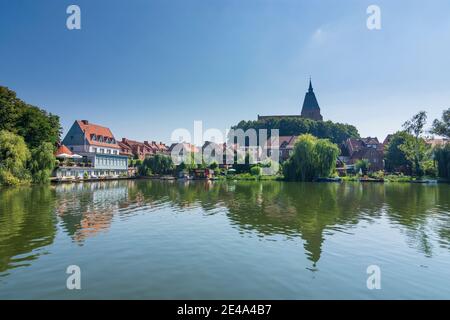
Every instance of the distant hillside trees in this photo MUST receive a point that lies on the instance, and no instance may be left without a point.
(312, 158)
(335, 132)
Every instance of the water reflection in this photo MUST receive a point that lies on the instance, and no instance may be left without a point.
(312, 212)
(27, 224)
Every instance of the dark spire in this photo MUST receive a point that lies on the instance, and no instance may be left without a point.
(311, 109)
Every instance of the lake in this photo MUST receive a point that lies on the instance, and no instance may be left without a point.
(149, 239)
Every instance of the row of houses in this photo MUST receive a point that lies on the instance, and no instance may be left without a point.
(91, 150)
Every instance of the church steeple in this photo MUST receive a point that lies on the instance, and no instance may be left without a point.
(310, 85)
(311, 109)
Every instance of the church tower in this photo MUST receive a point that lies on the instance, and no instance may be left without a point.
(311, 109)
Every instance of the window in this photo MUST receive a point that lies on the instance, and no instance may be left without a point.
(108, 151)
(102, 150)
(95, 150)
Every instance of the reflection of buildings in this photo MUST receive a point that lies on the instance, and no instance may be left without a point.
(87, 209)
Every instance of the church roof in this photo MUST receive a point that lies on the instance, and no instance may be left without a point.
(311, 109)
(310, 101)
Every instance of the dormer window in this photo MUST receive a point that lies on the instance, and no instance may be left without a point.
(100, 139)
(93, 137)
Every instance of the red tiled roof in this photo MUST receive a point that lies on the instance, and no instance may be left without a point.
(286, 142)
(90, 129)
(63, 149)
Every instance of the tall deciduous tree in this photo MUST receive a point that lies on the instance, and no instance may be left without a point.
(442, 127)
(312, 158)
(396, 159)
(415, 149)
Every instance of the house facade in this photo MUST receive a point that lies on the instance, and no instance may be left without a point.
(98, 150)
(284, 147)
(355, 149)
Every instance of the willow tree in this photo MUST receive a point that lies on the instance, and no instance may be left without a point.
(14, 155)
(312, 158)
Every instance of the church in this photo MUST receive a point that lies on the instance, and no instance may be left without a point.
(310, 109)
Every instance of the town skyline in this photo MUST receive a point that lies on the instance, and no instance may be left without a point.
(161, 68)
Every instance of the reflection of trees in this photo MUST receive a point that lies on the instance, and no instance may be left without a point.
(303, 209)
(27, 223)
(308, 210)
(417, 208)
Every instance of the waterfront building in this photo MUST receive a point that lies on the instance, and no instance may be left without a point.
(355, 149)
(140, 150)
(285, 146)
(97, 150)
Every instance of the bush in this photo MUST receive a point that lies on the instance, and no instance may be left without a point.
(362, 165)
(255, 171)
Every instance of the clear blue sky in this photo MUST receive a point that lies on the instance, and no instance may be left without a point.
(145, 68)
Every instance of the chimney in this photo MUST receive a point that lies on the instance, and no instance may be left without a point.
(146, 143)
(85, 122)
(124, 140)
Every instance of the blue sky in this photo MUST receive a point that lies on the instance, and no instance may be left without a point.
(145, 68)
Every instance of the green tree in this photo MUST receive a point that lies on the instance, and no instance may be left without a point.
(312, 158)
(442, 158)
(157, 164)
(35, 125)
(335, 132)
(415, 150)
(395, 157)
(14, 155)
(362, 165)
(42, 163)
(442, 127)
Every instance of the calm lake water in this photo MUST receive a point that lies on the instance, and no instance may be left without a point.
(213, 240)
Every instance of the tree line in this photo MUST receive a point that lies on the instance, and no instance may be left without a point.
(28, 137)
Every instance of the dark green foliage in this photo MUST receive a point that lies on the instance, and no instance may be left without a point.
(442, 158)
(395, 157)
(442, 127)
(335, 132)
(157, 164)
(35, 125)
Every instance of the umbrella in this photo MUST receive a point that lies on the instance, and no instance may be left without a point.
(76, 156)
(64, 155)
